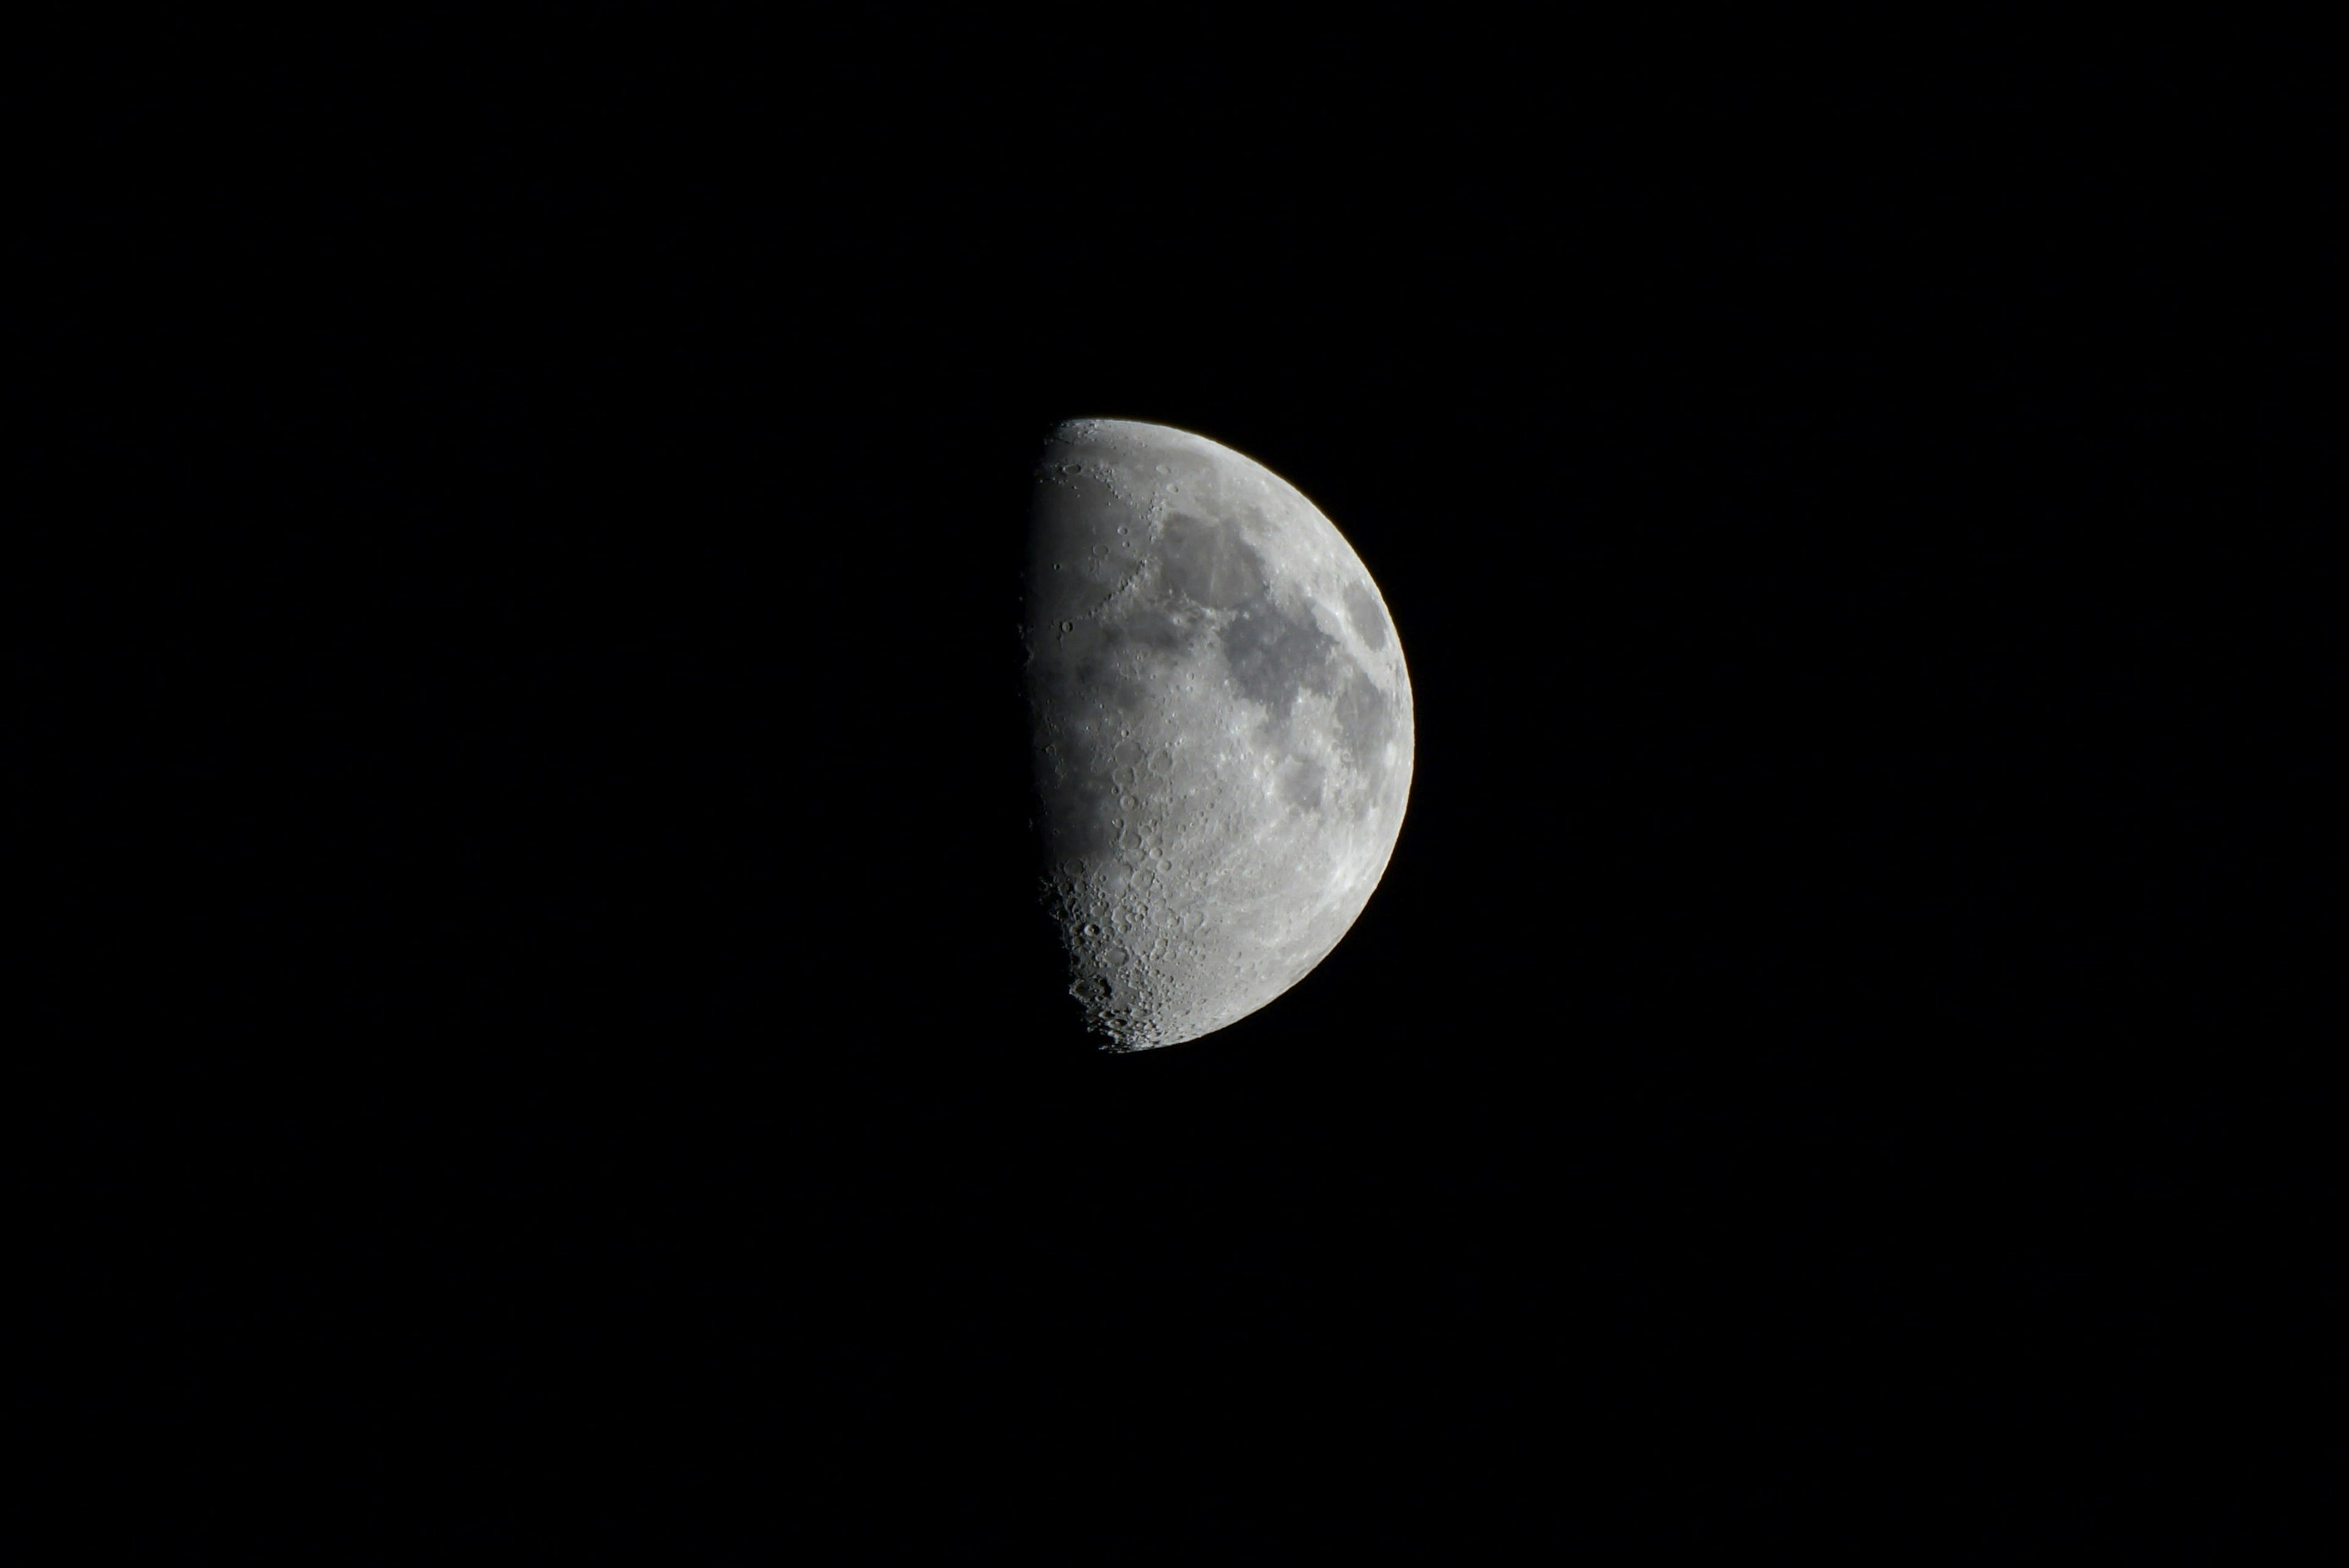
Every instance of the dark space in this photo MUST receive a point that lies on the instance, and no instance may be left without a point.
(554, 1037)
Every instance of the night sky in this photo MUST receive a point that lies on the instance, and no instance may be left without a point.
(560, 1039)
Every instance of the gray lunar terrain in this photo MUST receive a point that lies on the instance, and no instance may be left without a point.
(1222, 725)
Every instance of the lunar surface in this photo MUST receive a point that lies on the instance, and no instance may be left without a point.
(1222, 726)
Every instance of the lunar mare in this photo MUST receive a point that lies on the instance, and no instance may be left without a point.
(1222, 727)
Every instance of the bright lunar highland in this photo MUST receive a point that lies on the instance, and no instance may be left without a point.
(1222, 725)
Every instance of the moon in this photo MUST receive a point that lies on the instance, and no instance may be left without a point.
(1221, 723)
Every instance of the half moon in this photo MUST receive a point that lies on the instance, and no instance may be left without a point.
(1222, 727)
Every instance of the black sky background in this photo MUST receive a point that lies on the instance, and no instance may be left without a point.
(559, 1039)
